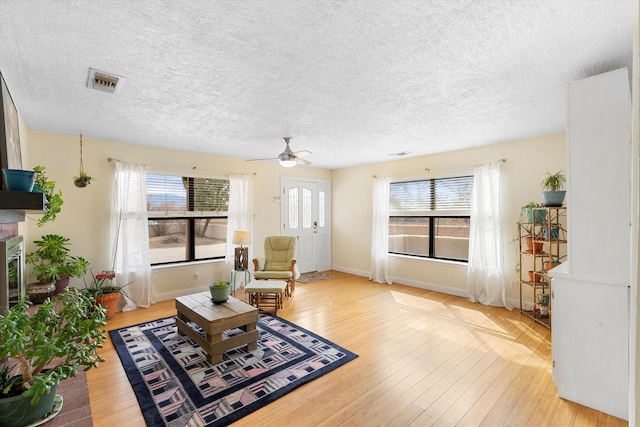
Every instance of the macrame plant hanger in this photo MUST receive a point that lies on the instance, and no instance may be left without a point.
(82, 180)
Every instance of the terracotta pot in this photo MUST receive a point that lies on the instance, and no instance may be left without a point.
(533, 246)
(535, 277)
(110, 302)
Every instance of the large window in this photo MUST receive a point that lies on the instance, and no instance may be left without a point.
(430, 218)
(187, 218)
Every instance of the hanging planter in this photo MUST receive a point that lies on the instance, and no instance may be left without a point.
(82, 180)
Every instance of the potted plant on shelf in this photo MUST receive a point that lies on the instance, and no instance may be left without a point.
(532, 235)
(41, 349)
(553, 184)
(220, 291)
(105, 292)
(53, 199)
(52, 262)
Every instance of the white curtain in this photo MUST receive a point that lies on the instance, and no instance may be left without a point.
(485, 271)
(380, 231)
(240, 213)
(129, 228)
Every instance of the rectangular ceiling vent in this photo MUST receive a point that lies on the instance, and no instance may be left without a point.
(104, 82)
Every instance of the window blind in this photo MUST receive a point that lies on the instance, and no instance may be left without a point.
(167, 194)
(431, 197)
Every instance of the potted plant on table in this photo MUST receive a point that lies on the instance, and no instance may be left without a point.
(553, 184)
(52, 262)
(41, 349)
(220, 291)
(104, 291)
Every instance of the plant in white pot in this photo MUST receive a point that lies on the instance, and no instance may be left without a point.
(553, 184)
(41, 349)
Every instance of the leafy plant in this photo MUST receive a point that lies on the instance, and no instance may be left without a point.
(54, 199)
(82, 179)
(102, 284)
(221, 283)
(51, 260)
(554, 182)
(50, 345)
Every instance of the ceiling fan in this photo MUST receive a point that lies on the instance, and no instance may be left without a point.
(288, 158)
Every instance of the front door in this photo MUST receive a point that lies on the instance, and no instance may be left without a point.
(305, 214)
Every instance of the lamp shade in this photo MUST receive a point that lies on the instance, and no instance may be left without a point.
(241, 237)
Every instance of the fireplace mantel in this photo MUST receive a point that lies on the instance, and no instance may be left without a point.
(14, 204)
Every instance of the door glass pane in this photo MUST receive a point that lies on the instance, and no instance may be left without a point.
(306, 207)
(167, 240)
(409, 235)
(211, 237)
(293, 207)
(452, 238)
(321, 208)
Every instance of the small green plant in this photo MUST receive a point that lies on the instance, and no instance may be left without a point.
(54, 199)
(49, 345)
(554, 182)
(82, 179)
(221, 283)
(51, 260)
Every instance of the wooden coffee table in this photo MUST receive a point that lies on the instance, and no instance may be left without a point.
(214, 319)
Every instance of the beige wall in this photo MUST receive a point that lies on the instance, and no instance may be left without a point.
(527, 162)
(85, 214)
(86, 211)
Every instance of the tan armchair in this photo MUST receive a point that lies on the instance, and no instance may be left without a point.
(279, 262)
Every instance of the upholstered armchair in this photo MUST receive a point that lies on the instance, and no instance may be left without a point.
(279, 262)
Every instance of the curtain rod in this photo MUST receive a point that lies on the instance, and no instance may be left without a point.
(503, 160)
(112, 159)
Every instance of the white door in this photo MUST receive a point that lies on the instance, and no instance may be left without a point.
(305, 214)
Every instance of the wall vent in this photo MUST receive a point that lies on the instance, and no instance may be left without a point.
(104, 82)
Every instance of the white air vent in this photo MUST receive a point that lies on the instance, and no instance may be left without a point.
(105, 82)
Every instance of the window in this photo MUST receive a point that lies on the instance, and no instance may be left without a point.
(187, 218)
(430, 218)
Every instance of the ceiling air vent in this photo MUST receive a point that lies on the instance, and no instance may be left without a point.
(104, 82)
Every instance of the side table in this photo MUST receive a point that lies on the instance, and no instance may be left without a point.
(245, 275)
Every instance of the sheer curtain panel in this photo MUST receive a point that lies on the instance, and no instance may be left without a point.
(130, 233)
(485, 271)
(380, 231)
(240, 212)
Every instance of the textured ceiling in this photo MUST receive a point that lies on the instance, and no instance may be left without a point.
(351, 81)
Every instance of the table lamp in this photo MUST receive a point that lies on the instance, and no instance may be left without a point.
(241, 237)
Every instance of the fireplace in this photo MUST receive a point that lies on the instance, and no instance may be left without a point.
(12, 283)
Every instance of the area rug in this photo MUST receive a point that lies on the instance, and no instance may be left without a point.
(176, 386)
(313, 276)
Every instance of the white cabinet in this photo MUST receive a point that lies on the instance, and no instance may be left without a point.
(590, 292)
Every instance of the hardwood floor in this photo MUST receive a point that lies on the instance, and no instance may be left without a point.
(425, 358)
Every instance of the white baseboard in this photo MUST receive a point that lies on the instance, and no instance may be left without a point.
(413, 283)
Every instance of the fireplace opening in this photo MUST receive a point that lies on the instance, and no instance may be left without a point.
(12, 284)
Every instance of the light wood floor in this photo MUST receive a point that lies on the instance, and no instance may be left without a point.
(425, 359)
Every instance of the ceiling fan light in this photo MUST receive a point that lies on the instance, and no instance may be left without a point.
(289, 163)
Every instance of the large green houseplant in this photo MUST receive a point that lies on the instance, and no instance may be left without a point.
(51, 260)
(41, 349)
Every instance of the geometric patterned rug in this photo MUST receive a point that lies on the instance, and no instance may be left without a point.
(176, 386)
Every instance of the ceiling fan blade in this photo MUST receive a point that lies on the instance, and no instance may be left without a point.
(255, 160)
(302, 153)
(303, 161)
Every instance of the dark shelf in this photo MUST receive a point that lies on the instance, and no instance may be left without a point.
(22, 201)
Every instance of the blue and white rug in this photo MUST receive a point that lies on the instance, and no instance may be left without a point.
(177, 386)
